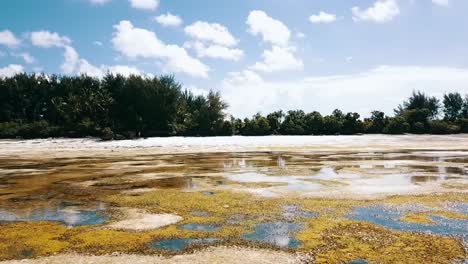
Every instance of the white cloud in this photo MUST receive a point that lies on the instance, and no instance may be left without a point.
(211, 32)
(271, 30)
(354, 92)
(169, 20)
(71, 60)
(196, 91)
(97, 43)
(135, 43)
(441, 2)
(145, 4)
(11, 70)
(74, 64)
(99, 2)
(323, 17)
(215, 51)
(382, 11)
(9, 39)
(281, 56)
(47, 39)
(278, 59)
(25, 56)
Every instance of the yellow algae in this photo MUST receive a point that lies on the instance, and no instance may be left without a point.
(417, 218)
(222, 203)
(348, 241)
(21, 240)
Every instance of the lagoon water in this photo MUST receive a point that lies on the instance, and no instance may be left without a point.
(67, 180)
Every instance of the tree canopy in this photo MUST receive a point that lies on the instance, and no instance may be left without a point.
(118, 107)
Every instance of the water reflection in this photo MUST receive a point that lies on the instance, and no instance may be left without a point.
(68, 215)
(199, 227)
(389, 218)
(280, 234)
(178, 245)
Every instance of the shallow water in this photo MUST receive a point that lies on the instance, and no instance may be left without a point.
(389, 218)
(280, 234)
(178, 245)
(68, 215)
(199, 227)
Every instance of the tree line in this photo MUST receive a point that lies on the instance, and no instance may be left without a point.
(118, 107)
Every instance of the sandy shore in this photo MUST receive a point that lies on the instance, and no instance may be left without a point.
(212, 255)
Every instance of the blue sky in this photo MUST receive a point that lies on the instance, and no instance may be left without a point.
(262, 55)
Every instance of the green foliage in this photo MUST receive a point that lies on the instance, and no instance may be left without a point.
(419, 101)
(397, 125)
(118, 107)
(453, 106)
(36, 106)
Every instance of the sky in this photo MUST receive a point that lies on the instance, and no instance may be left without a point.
(261, 55)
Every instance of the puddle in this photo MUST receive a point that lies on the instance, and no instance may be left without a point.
(68, 215)
(293, 183)
(291, 211)
(199, 227)
(200, 213)
(359, 261)
(209, 193)
(280, 234)
(178, 245)
(389, 218)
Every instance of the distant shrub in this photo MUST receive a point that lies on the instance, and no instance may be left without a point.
(442, 127)
(397, 125)
(9, 130)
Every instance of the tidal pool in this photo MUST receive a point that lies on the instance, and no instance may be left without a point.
(199, 227)
(280, 192)
(280, 234)
(178, 245)
(68, 215)
(391, 218)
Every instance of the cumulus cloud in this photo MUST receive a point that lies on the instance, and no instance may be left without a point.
(74, 64)
(97, 43)
(215, 51)
(47, 39)
(278, 59)
(441, 2)
(135, 43)
(271, 30)
(281, 56)
(381, 88)
(211, 32)
(169, 20)
(9, 39)
(382, 11)
(144, 4)
(25, 56)
(322, 17)
(11, 70)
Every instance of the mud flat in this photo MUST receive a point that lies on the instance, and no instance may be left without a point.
(375, 199)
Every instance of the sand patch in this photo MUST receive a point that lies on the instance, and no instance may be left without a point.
(212, 255)
(140, 220)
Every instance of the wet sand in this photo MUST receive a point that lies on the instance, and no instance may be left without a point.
(330, 198)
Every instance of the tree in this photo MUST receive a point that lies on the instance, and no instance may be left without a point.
(419, 101)
(397, 125)
(275, 120)
(314, 123)
(377, 122)
(294, 123)
(453, 106)
(352, 124)
(464, 111)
